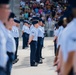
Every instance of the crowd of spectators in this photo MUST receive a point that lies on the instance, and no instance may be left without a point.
(46, 9)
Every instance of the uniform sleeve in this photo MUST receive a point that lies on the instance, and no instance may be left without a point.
(32, 33)
(72, 44)
(64, 44)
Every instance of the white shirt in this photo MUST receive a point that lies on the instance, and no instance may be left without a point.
(3, 39)
(68, 39)
(34, 32)
(10, 44)
(15, 31)
(26, 29)
(40, 32)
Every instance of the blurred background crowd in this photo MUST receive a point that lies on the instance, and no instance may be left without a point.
(50, 11)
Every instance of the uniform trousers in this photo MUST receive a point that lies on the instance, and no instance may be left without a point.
(25, 40)
(43, 43)
(33, 48)
(39, 49)
(9, 63)
(17, 43)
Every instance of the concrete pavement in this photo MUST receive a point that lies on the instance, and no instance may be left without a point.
(23, 66)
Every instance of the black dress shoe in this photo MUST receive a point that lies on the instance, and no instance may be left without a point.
(42, 58)
(15, 61)
(23, 48)
(40, 62)
(34, 64)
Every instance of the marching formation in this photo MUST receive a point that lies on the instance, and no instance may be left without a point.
(33, 35)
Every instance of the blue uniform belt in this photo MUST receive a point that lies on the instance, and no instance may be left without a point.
(34, 41)
(40, 37)
(11, 56)
(25, 33)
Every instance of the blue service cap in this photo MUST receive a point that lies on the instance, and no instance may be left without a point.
(25, 21)
(60, 22)
(4, 1)
(17, 21)
(40, 19)
(28, 22)
(35, 22)
(43, 21)
(56, 25)
(35, 18)
(12, 15)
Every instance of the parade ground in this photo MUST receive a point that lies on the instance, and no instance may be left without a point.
(23, 65)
